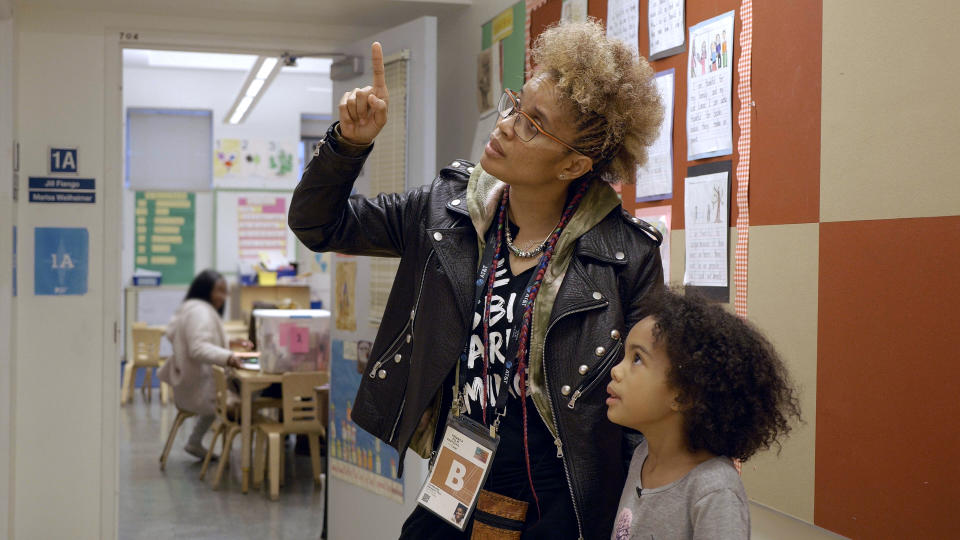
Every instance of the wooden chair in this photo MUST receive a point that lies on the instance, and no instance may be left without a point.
(228, 424)
(145, 354)
(300, 415)
(181, 416)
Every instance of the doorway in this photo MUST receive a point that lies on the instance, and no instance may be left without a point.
(170, 118)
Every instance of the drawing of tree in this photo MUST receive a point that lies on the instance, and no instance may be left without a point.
(718, 201)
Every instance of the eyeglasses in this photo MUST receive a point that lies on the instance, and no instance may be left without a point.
(524, 126)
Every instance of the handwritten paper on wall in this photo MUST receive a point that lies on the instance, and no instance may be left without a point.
(706, 209)
(261, 226)
(666, 23)
(623, 22)
(655, 178)
(573, 11)
(709, 80)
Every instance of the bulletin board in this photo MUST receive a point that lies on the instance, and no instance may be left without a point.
(784, 158)
(249, 221)
(784, 165)
(514, 44)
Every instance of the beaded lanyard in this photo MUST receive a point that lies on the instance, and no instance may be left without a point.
(530, 296)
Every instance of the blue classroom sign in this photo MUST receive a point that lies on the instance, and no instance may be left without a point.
(63, 160)
(60, 261)
(62, 190)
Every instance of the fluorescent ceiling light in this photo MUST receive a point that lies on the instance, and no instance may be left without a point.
(260, 76)
(266, 68)
(188, 60)
(254, 88)
(241, 109)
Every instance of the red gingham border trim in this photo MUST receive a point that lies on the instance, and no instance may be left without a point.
(743, 150)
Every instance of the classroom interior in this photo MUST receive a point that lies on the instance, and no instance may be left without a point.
(843, 222)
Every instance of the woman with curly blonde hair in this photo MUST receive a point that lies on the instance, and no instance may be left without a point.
(518, 279)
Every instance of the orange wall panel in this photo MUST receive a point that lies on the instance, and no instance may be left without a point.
(785, 161)
(888, 379)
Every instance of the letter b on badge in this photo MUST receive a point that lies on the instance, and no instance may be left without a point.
(455, 477)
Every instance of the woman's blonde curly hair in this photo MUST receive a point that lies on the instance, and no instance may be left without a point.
(615, 96)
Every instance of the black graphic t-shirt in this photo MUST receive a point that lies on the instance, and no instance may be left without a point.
(508, 475)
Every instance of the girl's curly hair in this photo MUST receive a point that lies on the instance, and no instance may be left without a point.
(734, 389)
(614, 94)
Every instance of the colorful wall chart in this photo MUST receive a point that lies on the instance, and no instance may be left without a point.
(255, 163)
(355, 455)
(261, 226)
(165, 234)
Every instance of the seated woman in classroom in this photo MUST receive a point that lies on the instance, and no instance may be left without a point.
(199, 341)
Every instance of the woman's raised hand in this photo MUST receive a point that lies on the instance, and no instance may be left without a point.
(363, 111)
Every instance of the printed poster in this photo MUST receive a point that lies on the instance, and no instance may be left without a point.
(261, 227)
(659, 217)
(345, 295)
(706, 214)
(655, 178)
(709, 82)
(355, 455)
(165, 233)
(665, 20)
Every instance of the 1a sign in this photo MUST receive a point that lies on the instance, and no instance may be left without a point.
(61, 257)
(62, 190)
(63, 160)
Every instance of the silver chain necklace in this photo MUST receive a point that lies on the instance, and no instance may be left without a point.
(519, 252)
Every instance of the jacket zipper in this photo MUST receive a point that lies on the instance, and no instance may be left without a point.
(558, 441)
(408, 329)
(597, 375)
(389, 352)
(416, 306)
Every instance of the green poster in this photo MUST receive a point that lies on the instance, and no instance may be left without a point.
(165, 228)
(514, 47)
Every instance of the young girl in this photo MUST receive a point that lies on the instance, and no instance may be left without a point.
(703, 386)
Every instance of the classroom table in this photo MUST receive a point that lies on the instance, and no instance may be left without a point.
(250, 381)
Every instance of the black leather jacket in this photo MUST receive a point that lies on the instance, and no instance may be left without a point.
(428, 314)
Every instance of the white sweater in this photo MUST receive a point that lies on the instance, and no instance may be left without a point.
(199, 339)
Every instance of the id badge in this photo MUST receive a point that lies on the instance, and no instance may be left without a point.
(459, 472)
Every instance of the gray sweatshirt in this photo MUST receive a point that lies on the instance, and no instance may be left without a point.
(708, 503)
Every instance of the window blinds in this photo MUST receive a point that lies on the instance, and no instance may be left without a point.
(387, 166)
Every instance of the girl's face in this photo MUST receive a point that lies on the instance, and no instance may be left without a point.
(639, 393)
(218, 297)
(541, 160)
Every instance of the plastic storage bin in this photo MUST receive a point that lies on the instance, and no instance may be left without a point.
(293, 339)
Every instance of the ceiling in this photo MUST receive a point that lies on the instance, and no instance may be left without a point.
(364, 13)
(145, 58)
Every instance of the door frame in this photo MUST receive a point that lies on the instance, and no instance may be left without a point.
(116, 39)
